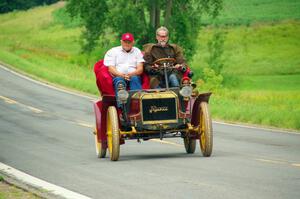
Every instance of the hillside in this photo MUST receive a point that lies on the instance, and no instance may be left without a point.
(261, 58)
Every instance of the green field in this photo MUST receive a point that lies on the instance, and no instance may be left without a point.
(261, 57)
(263, 65)
(241, 12)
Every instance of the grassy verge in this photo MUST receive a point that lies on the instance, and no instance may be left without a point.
(8, 191)
(278, 109)
(261, 60)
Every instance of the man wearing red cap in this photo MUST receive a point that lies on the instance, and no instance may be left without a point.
(125, 64)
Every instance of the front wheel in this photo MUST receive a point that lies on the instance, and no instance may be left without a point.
(205, 130)
(189, 144)
(113, 134)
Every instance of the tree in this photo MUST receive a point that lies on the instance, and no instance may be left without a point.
(142, 17)
(93, 14)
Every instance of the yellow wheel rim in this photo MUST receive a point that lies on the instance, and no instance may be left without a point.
(202, 130)
(205, 130)
(113, 134)
(109, 137)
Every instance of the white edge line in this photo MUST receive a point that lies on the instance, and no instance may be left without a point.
(40, 184)
(260, 128)
(44, 84)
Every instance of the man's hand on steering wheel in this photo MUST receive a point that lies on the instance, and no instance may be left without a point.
(160, 64)
(178, 66)
(155, 66)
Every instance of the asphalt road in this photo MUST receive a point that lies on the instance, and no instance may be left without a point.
(48, 134)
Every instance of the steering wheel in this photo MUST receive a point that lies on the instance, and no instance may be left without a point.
(161, 61)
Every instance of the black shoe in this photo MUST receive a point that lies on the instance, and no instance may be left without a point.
(125, 127)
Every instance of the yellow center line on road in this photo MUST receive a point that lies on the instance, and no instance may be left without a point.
(282, 162)
(167, 142)
(271, 161)
(11, 101)
(296, 165)
(7, 100)
(84, 124)
(34, 109)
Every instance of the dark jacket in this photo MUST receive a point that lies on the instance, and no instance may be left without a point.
(152, 52)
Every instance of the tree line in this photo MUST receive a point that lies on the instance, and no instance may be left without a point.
(11, 5)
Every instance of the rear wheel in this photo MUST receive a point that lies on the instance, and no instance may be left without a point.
(113, 134)
(205, 130)
(189, 144)
(101, 153)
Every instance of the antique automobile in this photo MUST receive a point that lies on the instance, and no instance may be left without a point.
(154, 114)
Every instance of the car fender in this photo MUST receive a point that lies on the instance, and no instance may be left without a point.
(202, 97)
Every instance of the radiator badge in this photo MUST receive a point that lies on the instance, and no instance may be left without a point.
(155, 109)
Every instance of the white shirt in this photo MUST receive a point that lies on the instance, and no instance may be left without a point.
(125, 62)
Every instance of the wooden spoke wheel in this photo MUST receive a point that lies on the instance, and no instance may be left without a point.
(113, 134)
(205, 130)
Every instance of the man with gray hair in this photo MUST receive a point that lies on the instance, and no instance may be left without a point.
(162, 49)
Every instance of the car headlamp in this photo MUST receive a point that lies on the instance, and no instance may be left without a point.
(123, 96)
(186, 91)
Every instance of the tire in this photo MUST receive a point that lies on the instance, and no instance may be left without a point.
(205, 130)
(100, 152)
(113, 134)
(189, 144)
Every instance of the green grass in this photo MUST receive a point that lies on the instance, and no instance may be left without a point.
(245, 12)
(45, 48)
(278, 109)
(261, 57)
(262, 73)
(273, 83)
(259, 49)
(8, 191)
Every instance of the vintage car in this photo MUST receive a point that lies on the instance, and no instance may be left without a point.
(153, 114)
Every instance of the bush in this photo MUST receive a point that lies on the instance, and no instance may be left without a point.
(211, 82)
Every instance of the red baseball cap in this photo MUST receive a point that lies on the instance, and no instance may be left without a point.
(127, 37)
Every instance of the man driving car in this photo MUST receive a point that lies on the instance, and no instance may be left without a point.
(162, 49)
